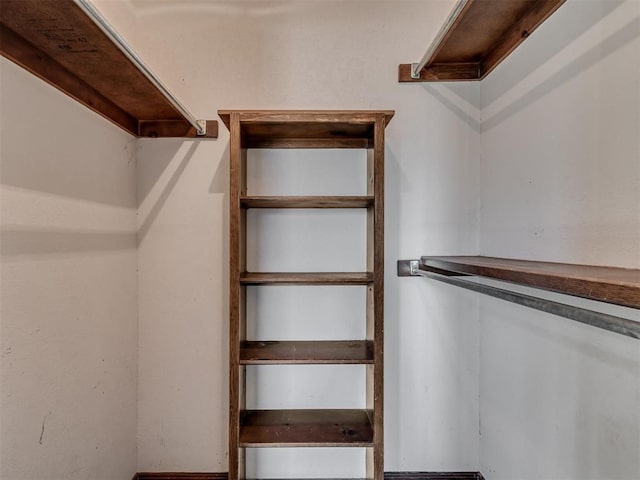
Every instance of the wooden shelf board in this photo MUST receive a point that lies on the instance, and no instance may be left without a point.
(306, 352)
(60, 44)
(306, 202)
(620, 286)
(306, 129)
(305, 428)
(306, 278)
(483, 35)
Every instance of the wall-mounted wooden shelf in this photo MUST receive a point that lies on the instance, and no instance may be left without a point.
(307, 202)
(306, 278)
(58, 42)
(479, 37)
(620, 286)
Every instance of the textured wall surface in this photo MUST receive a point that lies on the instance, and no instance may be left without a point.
(540, 161)
(561, 182)
(68, 292)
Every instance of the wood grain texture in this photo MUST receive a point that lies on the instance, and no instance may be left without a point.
(619, 286)
(483, 35)
(56, 41)
(181, 476)
(306, 116)
(307, 202)
(306, 352)
(309, 428)
(306, 129)
(22, 53)
(306, 278)
(378, 298)
(453, 72)
(288, 142)
(433, 476)
(236, 262)
(517, 32)
(174, 128)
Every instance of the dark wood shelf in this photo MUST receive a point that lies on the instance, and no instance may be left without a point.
(482, 35)
(305, 428)
(306, 278)
(620, 286)
(306, 352)
(58, 42)
(306, 129)
(306, 202)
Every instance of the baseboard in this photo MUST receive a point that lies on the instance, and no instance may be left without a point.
(433, 476)
(387, 476)
(179, 476)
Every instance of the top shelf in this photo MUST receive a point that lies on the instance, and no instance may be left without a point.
(620, 286)
(59, 43)
(478, 37)
(306, 129)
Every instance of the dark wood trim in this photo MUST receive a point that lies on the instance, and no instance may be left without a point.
(404, 270)
(441, 72)
(484, 33)
(306, 128)
(15, 48)
(305, 116)
(180, 476)
(60, 44)
(433, 476)
(306, 352)
(387, 476)
(174, 128)
(376, 234)
(306, 202)
(306, 278)
(517, 33)
(236, 262)
(620, 286)
(258, 142)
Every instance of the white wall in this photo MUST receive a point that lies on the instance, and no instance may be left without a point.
(561, 182)
(305, 54)
(559, 178)
(68, 292)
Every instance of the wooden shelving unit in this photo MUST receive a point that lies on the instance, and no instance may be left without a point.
(480, 36)
(620, 286)
(303, 428)
(58, 42)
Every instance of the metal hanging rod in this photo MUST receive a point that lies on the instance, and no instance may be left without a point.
(416, 68)
(125, 48)
(620, 325)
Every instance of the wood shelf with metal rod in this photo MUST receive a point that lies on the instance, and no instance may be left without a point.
(476, 37)
(619, 286)
(71, 46)
(362, 427)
